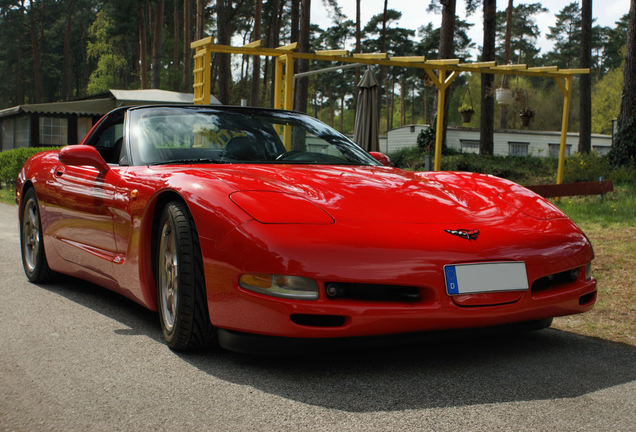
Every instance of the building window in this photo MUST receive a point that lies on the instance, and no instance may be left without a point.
(53, 131)
(469, 146)
(554, 149)
(412, 128)
(601, 150)
(518, 148)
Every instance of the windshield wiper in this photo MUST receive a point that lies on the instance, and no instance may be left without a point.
(187, 161)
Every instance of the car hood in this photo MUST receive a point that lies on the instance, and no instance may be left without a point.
(381, 194)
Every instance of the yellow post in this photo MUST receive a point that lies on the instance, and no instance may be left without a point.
(289, 82)
(566, 89)
(441, 81)
(441, 96)
(289, 98)
(278, 82)
(201, 71)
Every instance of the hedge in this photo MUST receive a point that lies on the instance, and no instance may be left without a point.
(11, 162)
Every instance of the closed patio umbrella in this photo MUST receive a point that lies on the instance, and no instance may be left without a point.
(365, 129)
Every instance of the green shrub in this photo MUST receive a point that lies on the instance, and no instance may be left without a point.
(11, 162)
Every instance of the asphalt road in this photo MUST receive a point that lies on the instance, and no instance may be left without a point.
(74, 356)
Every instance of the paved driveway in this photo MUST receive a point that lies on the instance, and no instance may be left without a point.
(74, 356)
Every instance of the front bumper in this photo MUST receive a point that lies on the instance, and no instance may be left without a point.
(346, 254)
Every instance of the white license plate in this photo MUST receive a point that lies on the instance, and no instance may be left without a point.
(485, 277)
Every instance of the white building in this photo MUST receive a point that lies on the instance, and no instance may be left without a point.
(506, 142)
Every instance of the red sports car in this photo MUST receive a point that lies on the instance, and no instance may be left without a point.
(242, 221)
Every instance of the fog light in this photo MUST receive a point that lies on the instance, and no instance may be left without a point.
(588, 271)
(294, 287)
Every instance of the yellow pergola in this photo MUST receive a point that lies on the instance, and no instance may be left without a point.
(441, 71)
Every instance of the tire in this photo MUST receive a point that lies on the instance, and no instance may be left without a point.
(181, 296)
(34, 260)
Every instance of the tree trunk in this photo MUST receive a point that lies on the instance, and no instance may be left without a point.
(585, 80)
(156, 46)
(504, 80)
(446, 48)
(198, 30)
(68, 54)
(295, 20)
(36, 49)
(187, 51)
(302, 84)
(487, 118)
(277, 12)
(224, 36)
(175, 47)
(342, 110)
(627, 116)
(358, 37)
(256, 60)
(385, 70)
(143, 60)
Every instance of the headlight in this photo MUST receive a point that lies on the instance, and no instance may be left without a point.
(588, 271)
(293, 287)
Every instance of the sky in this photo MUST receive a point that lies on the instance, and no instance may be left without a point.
(414, 14)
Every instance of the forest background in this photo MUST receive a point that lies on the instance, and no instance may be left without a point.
(53, 50)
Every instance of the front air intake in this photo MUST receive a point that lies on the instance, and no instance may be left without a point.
(372, 292)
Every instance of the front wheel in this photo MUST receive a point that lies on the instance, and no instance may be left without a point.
(34, 261)
(181, 297)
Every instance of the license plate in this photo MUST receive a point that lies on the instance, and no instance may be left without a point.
(485, 277)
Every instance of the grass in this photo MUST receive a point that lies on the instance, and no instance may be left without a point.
(610, 224)
(7, 195)
(615, 208)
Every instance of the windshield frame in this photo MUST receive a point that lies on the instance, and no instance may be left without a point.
(358, 155)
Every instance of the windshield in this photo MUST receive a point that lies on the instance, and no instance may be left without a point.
(177, 135)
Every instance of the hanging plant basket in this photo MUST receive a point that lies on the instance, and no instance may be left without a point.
(467, 115)
(525, 115)
(504, 96)
(466, 110)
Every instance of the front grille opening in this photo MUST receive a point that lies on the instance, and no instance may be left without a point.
(587, 298)
(372, 292)
(555, 280)
(311, 320)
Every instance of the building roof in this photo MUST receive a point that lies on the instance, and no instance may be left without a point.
(99, 105)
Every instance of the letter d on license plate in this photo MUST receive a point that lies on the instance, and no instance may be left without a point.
(485, 277)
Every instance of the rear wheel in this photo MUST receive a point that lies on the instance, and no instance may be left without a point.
(34, 261)
(181, 297)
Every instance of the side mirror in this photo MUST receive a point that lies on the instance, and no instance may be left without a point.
(83, 155)
(382, 158)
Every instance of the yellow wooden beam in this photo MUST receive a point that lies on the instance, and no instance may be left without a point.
(202, 42)
(442, 62)
(334, 52)
(288, 47)
(573, 71)
(370, 56)
(543, 68)
(514, 67)
(478, 65)
(409, 59)
(255, 44)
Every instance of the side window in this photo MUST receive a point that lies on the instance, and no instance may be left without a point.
(109, 142)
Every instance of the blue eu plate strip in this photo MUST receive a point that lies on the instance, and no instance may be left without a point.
(451, 280)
